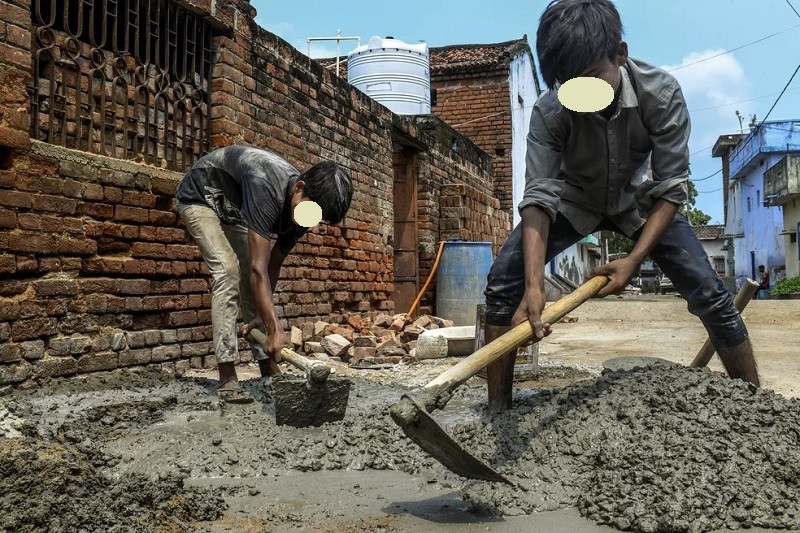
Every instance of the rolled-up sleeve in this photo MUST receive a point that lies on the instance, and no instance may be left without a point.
(542, 165)
(670, 127)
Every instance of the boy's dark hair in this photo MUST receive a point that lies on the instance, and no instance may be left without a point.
(575, 34)
(329, 185)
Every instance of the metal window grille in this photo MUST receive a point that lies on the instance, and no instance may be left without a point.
(123, 78)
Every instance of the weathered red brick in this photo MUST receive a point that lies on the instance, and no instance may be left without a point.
(94, 210)
(182, 318)
(147, 249)
(56, 287)
(16, 199)
(58, 204)
(8, 219)
(131, 214)
(132, 286)
(22, 330)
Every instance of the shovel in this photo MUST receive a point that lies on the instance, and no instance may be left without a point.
(311, 401)
(411, 413)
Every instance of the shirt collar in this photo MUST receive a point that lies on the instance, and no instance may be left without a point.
(627, 97)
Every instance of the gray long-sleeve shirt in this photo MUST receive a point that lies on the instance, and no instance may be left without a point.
(589, 168)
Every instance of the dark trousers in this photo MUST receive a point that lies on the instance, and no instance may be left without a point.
(678, 253)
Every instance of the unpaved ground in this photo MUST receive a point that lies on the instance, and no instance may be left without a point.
(660, 326)
(628, 450)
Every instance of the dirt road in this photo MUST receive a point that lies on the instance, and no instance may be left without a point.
(660, 326)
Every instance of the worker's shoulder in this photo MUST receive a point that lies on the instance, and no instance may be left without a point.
(651, 83)
(242, 157)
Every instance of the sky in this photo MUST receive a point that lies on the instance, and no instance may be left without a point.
(668, 34)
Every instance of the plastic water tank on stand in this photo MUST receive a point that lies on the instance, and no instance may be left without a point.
(461, 280)
(394, 73)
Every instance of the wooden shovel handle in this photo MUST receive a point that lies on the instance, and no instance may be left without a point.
(523, 333)
(743, 297)
(288, 355)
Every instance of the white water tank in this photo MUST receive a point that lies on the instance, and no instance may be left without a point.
(396, 74)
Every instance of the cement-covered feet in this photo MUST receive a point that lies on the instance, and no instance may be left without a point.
(231, 392)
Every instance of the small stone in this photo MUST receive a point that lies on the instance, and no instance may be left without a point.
(382, 321)
(320, 355)
(422, 322)
(319, 328)
(216, 442)
(296, 336)
(363, 352)
(335, 345)
(307, 329)
(313, 347)
(413, 331)
(355, 322)
(254, 491)
(365, 342)
(398, 324)
(379, 331)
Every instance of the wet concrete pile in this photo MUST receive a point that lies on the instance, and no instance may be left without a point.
(658, 450)
(662, 449)
(54, 478)
(48, 486)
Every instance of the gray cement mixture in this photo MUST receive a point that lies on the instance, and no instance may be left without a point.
(658, 449)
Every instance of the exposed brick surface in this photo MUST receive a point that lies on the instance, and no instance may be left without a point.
(103, 274)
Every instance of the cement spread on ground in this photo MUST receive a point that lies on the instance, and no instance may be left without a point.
(645, 450)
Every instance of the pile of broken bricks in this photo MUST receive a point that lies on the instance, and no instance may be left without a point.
(364, 342)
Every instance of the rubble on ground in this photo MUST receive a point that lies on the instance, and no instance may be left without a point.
(381, 340)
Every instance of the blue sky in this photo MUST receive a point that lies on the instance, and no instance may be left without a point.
(665, 33)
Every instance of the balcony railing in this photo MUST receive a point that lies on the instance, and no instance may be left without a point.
(782, 181)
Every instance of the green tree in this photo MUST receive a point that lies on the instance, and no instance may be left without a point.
(620, 244)
(694, 215)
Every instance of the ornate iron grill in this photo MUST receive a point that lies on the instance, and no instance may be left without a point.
(124, 78)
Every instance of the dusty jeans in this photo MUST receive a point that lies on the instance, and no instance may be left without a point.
(226, 252)
(679, 254)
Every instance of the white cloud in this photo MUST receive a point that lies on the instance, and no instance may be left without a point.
(715, 82)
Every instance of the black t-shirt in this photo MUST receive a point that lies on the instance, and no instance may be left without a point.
(245, 186)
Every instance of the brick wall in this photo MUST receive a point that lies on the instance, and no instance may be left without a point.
(95, 268)
(478, 106)
(470, 215)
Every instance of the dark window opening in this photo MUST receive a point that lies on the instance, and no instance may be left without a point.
(6, 157)
(124, 78)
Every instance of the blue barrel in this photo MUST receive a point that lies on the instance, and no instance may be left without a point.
(461, 280)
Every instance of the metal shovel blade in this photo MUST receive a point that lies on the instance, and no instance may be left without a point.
(420, 427)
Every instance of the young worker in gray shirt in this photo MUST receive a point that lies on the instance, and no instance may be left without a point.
(231, 201)
(589, 171)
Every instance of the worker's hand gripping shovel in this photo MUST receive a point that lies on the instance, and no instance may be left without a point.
(411, 413)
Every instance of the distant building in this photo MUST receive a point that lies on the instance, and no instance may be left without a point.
(711, 237)
(782, 187)
(754, 227)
